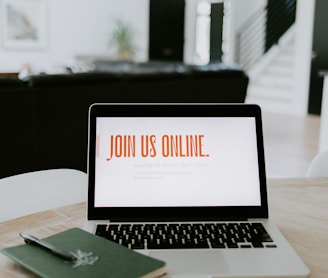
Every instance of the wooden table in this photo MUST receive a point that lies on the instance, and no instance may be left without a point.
(299, 207)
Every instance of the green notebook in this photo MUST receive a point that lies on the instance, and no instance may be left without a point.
(98, 257)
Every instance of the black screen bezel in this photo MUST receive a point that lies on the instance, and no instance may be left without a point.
(175, 213)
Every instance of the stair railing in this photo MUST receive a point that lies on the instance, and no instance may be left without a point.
(263, 30)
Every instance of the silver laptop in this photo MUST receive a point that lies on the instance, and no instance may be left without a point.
(186, 183)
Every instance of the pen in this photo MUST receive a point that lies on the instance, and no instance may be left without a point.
(47, 246)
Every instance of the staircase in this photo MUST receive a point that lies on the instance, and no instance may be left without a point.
(271, 79)
(265, 47)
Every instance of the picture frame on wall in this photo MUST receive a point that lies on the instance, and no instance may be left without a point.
(24, 24)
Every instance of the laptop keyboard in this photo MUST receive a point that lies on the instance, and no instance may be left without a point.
(191, 235)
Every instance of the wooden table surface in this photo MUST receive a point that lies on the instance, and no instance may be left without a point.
(298, 206)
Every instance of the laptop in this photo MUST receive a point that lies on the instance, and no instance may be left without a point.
(186, 183)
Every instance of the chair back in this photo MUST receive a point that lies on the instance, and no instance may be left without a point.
(318, 166)
(33, 192)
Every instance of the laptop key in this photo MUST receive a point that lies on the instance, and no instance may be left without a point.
(101, 230)
(271, 246)
(232, 245)
(257, 244)
(245, 245)
(217, 245)
(138, 245)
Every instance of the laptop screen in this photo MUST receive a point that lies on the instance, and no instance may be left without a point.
(180, 160)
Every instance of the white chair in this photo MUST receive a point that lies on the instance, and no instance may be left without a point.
(318, 166)
(41, 190)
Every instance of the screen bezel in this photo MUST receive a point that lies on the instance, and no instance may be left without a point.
(174, 213)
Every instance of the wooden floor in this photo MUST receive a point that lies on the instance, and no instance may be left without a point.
(290, 143)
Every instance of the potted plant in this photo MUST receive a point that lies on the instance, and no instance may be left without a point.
(122, 40)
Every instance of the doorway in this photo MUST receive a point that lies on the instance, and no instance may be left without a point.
(166, 30)
(319, 56)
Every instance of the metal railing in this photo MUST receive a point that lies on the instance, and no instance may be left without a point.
(263, 30)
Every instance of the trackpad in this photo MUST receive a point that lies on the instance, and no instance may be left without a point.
(192, 262)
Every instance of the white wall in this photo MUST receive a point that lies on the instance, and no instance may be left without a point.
(83, 27)
(303, 51)
(80, 27)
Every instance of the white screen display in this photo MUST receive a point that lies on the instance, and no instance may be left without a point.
(163, 162)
